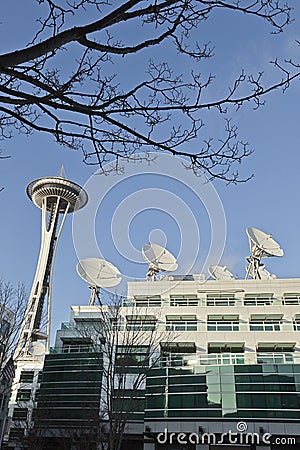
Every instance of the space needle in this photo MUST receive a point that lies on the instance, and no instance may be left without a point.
(57, 197)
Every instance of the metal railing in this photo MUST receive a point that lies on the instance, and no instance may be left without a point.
(75, 348)
(217, 359)
(212, 302)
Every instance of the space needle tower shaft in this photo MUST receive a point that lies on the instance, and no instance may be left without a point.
(56, 197)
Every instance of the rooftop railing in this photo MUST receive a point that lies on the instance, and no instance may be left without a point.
(194, 360)
(75, 348)
(211, 302)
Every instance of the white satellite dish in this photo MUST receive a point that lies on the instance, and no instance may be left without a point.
(36, 348)
(220, 273)
(98, 273)
(262, 245)
(264, 274)
(159, 259)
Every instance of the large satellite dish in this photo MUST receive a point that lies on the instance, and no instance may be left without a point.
(98, 273)
(159, 259)
(220, 273)
(264, 274)
(262, 245)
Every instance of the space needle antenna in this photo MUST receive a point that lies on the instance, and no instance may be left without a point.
(57, 197)
(62, 172)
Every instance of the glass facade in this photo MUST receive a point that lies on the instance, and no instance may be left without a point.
(70, 388)
(26, 376)
(239, 391)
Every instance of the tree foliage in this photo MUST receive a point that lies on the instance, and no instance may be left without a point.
(69, 80)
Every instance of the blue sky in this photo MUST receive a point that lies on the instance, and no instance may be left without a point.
(269, 201)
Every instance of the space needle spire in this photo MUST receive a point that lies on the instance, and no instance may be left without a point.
(57, 197)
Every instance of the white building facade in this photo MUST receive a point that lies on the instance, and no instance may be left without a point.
(228, 370)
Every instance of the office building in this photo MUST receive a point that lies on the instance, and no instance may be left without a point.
(225, 365)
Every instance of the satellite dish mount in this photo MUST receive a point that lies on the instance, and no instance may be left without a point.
(262, 245)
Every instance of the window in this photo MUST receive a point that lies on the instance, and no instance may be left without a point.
(16, 433)
(220, 300)
(183, 300)
(181, 323)
(274, 358)
(142, 323)
(296, 324)
(76, 348)
(130, 399)
(5, 326)
(86, 323)
(222, 326)
(23, 395)
(263, 322)
(132, 356)
(291, 299)
(258, 299)
(76, 345)
(223, 322)
(20, 414)
(177, 347)
(264, 325)
(148, 302)
(27, 376)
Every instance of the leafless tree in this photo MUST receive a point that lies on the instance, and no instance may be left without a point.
(12, 309)
(69, 80)
(127, 342)
(129, 339)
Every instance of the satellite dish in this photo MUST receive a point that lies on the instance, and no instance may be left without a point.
(36, 348)
(98, 273)
(220, 273)
(159, 259)
(262, 245)
(264, 274)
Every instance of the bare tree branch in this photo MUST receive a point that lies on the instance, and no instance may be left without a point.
(87, 106)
